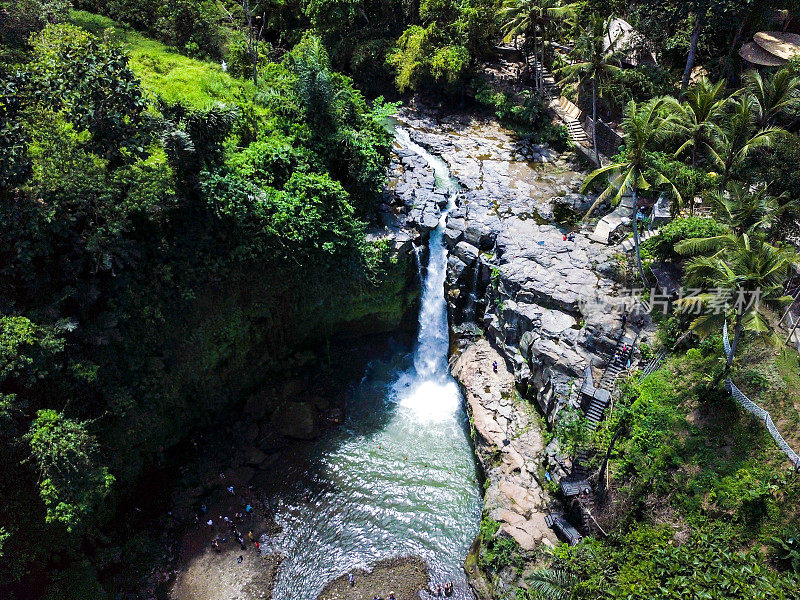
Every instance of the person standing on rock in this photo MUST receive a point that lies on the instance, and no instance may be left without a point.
(494, 366)
(351, 579)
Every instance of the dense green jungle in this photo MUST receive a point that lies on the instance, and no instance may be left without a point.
(186, 193)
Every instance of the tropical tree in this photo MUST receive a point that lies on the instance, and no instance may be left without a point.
(645, 125)
(550, 584)
(254, 31)
(744, 277)
(699, 10)
(744, 208)
(738, 136)
(698, 117)
(595, 63)
(72, 481)
(773, 95)
(526, 17)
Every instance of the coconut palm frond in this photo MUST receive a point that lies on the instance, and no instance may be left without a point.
(551, 584)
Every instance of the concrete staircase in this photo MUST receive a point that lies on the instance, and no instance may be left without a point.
(628, 244)
(618, 217)
(566, 110)
(576, 488)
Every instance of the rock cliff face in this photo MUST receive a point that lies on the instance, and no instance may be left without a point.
(522, 280)
(508, 442)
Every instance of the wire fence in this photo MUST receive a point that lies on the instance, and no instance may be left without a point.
(763, 415)
(755, 409)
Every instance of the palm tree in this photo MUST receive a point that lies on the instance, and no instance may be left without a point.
(738, 136)
(525, 17)
(746, 209)
(596, 63)
(697, 118)
(550, 584)
(646, 125)
(745, 266)
(774, 95)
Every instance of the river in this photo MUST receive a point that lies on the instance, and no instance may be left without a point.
(399, 477)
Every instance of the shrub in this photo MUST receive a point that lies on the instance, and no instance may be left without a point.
(786, 549)
(498, 550)
(689, 181)
(662, 246)
(641, 84)
(192, 26)
(525, 115)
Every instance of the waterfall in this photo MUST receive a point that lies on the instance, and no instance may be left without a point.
(417, 259)
(469, 310)
(428, 389)
(399, 477)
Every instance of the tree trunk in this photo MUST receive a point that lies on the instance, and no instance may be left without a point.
(594, 121)
(736, 38)
(737, 335)
(636, 238)
(699, 22)
(791, 332)
(544, 42)
(601, 475)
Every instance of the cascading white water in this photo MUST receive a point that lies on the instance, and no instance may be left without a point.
(429, 390)
(400, 478)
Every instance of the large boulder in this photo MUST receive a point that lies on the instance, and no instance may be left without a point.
(429, 221)
(296, 420)
(466, 252)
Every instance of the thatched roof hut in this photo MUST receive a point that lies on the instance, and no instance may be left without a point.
(771, 48)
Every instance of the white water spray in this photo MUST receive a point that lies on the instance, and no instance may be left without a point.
(429, 391)
(399, 479)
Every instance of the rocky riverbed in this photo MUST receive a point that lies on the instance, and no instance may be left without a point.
(404, 577)
(515, 287)
(533, 296)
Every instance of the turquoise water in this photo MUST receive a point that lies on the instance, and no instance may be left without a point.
(399, 478)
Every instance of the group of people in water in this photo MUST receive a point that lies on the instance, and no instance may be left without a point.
(446, 590)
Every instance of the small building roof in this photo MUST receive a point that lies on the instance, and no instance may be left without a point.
(621, 36)
(779, 43)
(756, 55)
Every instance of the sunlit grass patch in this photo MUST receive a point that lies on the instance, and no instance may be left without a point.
(165, 73)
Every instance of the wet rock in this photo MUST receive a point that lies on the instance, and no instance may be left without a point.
(452, 237)
(441, 200)
(455, 268)
(296, 420)
(407, 577)
(466, 252)
(429, 222)
(257, 405)
(577, 202)
(255, 457)
(251, 433)
(456, 223)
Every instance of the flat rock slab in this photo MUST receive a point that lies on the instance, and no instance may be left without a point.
(406, 577)
(508, 443)
(212, 575)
